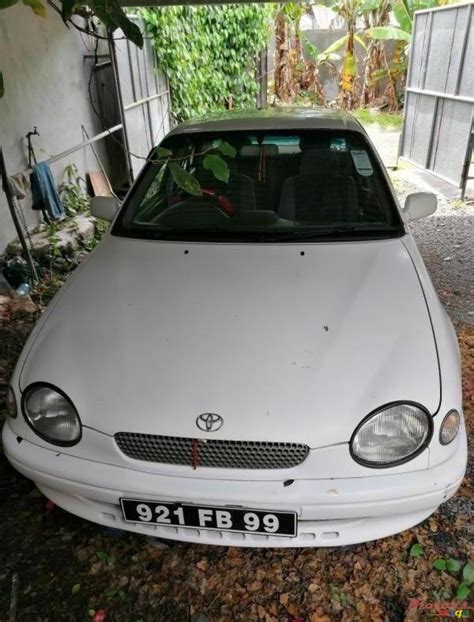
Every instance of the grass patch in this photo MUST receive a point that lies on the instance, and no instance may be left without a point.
(393, 120)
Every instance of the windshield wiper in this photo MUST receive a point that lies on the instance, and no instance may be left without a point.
(314, 233)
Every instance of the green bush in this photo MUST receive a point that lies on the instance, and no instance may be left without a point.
(210, 54)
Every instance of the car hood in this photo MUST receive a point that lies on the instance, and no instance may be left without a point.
(286, 342)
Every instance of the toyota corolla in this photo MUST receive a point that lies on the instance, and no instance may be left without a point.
(254, 355)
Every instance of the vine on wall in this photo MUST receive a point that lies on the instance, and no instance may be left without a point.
(210, 54)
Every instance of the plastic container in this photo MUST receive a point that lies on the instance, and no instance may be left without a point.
(23, 290)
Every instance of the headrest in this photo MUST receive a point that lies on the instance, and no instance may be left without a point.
(249, 151)
(318, 162)
(314, 141)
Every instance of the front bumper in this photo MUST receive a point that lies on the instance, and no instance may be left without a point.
(331, 512)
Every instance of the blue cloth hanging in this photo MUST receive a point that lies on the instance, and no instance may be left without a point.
(43, 189)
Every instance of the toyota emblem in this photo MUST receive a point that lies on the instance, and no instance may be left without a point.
(209, 422)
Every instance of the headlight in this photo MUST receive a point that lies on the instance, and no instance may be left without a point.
(449, 427)
(51, 414)
(11, 403)
(391, 435)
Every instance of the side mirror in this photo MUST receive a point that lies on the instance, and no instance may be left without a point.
(104, 208)
(420, 204)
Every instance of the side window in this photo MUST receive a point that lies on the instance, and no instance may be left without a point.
(338, 144)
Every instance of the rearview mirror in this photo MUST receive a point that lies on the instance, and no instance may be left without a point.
(420, 204)
(104, 208)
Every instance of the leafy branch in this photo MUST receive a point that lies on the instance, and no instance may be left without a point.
(213, 162)
(109, 12)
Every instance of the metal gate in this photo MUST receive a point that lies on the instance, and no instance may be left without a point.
(439, 104)
(145, 98)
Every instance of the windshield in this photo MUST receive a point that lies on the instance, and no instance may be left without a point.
(260, 186)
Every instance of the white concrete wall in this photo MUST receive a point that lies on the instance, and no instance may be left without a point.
(46, 80)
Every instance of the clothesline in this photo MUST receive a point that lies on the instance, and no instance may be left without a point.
(78, 147)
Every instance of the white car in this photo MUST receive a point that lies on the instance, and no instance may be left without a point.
(258, 360)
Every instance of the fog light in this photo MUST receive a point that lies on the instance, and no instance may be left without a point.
(450, 427)
(11, 403)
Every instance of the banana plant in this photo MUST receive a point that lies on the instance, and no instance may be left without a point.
(349, 11)
(403, 11)
(395, 71)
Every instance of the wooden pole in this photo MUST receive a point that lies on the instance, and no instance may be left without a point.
(11, 205)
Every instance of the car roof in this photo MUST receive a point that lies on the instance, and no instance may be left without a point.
(273, 119)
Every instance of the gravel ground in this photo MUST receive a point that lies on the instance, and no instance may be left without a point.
(446, 243)
(445, 240)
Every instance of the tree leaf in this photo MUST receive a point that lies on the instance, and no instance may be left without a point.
(112, 15)
(360, 41)
(217, 166)
(226, 148)
(76, 588)
(402, 15)
(439, 564)
(163, 153)
(309, 47)
(102, 556)
(67, 8)
(2, 86)
(4, 4)
(129, 29)
(388, 32)
(453, 566)
(184, 180)
(336, 45)
(468, 573)
(463, 591)
(416, 550)
(36, 6)
(369, 5)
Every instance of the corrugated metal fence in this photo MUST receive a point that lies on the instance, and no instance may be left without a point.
(439, 103)
(145, 97)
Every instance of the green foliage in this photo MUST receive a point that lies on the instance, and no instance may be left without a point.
(339, 596)
(453, 566)
(213, 162)
(387, 120)
(109, 12)
(217, 166)
(468, 573)
(210, 54)
(417, 550)
(73, 192)
(439, 564)
(106, 558)
(388, 32)
(185, 180)
(462, 592)
(403, 11)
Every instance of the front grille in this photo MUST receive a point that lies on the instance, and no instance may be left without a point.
(211, 453)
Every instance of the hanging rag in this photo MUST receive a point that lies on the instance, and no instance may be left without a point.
(20, 185)
(45, 196)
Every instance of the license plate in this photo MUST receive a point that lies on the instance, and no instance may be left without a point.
(241, 520)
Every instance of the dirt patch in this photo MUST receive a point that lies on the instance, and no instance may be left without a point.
(70, 569)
